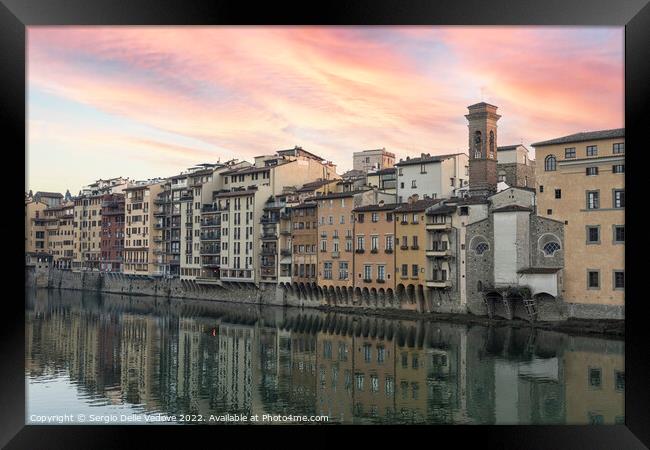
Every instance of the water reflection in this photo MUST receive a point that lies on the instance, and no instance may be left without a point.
(152, 355)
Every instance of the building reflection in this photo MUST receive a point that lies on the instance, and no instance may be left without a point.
(203, 358)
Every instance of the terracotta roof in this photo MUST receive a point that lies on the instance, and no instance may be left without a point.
(338, 195)
(585, 136)
(509, 147)
(235, 193)
(440, 209)
(475, 105)
(48, 194)
(426, 159)
(419, 205)
(253, 169)
(511, 208)
(305, 205)
(384, 207)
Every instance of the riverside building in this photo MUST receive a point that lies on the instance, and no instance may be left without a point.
(372, 160)
(374, 255)
(244, 197)
(112, 238)
(582, 184)
(141, 255)
(434, 176)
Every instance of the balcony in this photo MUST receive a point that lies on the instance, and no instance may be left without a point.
(210, 262)
(210, 237)
(272, 219)
(380, 280)
(269, 237)
(374, 251)
(367, 280)
(285, 232)
(210, 208)
(210, 251)
(438, 226)
(415, 247)
(268, 252)
(336, 254)
(404, 247)
(158, 226)
(389, 251)
(210, 223)
(285, 252)
(159, 213)
(438, 282)
(404, 222)
(439, 249)
(285, 216)
(359, 250)
(323, 234)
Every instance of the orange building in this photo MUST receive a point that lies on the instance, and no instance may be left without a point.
(374, 257)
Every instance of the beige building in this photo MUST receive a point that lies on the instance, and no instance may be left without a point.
(581, 181)
(35, 233)
(88, 232)
(372, 160)
(60, 234)
(410, 252)
(142, 256)
(243, 199)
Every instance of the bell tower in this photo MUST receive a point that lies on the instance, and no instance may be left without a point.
(482, 126)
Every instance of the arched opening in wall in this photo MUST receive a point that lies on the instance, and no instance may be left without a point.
(357, 295)
(339, 296)
(390, 297)
(319, 292)
(333, 295)
(479, 245)
(373, 296)
(366, 296)
(410, 293)
(544, 296)
(420, 298)
(400, 293)
(381, 297)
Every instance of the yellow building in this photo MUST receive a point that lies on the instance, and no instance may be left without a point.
(410, 254)
(35, 233)
(581, 181)
(60, 234)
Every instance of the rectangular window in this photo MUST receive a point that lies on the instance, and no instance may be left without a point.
(619, 279)
(327, 270)
(618, 168)
(405, 270)
(619, 198)
(593, 200)
(618, 147)
(360, 218)
(360, 243)
(593, 279)
(343, 270)
(413, 184)
(374, 243)
(415, 270)
(375, 217)
(423, 168)
(592, 150)
(367, 352)
(558, 193)
(381, 272)
(541, 188)
(570, 152)
(619, 234)
(389, 242)
(619, 380)
(593, 235)
(591, 171)
(595, 378)
(414, 246)
(367, 272)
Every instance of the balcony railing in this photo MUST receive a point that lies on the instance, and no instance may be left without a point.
(285, 252)
(211, 208)
(374, 250)
(210, 223)
(210, 237)
(336, 254)
(439, 246)
(269, 236)
(388, 250)
(380, 280)
(359, 250)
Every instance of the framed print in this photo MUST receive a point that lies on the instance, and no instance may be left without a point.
(379, 218)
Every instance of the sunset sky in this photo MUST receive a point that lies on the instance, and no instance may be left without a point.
(142, 102)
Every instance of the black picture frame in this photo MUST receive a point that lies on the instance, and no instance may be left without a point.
(16, 15)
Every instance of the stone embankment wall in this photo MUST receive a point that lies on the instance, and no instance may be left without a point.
(280, 295)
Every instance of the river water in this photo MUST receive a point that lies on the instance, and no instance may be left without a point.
(115, 359)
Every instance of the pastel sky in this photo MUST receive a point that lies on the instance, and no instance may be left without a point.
(143, 102)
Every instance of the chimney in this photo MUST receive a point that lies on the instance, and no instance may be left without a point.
(381, 203)
(413, 198)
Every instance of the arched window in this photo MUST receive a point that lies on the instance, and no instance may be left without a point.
(550, 248)
(478, 139)
(549, 243)
(491, 144)
(481, 248)
(549, 163)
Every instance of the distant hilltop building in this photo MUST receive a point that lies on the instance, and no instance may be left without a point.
(373, 160)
